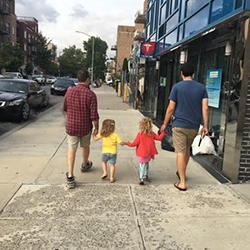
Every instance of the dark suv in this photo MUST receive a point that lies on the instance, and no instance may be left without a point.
(61, 86)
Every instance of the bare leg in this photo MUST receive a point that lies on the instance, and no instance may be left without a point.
(104, 168)
(181, 164)
(71, 160)
(85, 155)
(112, 170)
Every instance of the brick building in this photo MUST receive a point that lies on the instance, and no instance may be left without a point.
(27, 33)
(124, 45)
(7, 22)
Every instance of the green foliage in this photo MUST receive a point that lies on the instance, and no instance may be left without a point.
(11, 57)
(71, 61)
(100, 49)
(52, 69)
(43, 54)
(29, 68)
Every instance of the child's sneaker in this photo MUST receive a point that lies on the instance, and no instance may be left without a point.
(85, 169)
(146, 179)
(141, 182)
(70, 181)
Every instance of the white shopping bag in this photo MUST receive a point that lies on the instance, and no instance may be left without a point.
(205, 146)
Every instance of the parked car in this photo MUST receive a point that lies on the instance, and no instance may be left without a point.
(13, 75)
(75, 80)
(18, 96)
(51, 79)
(39, 78)
(109, 81)
(61, 86)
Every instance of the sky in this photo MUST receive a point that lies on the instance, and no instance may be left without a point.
(59, 20)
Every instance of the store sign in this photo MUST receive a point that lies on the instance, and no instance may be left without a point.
(147, 49)
(213, 85)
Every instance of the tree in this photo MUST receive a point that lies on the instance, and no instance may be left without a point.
(29, 68)
(11, 57)
(100, 49)
(71, 61)
(43, 54)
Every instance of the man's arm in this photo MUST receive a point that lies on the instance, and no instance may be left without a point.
(205, 113)
(96, 127)
(169, 113)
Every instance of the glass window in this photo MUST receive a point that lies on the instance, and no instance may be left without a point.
(163, 14)
(162, 30)
(180, 37)
(197, 22)
(238, 4)
(172, 22)
(183, 9)
(161, 45)
(174, 5)
(221, 8)
(25, 34)
(193, 5)
(171, 38)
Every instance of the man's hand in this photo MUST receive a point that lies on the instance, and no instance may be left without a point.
(95, 132)
(204, 131)
(163, 127)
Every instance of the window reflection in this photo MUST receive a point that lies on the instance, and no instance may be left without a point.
(172, 37)
(197, 22)
(193, 5)
(221, 8)
(172, 22)
(163, 13)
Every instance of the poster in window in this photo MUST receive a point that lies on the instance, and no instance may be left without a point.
(213, 85)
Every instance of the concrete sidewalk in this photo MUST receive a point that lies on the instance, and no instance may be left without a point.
(39, 212)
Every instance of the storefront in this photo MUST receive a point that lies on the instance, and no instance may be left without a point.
(219, 54)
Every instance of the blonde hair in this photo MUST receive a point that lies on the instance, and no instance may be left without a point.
(108, 127)
(146, 125)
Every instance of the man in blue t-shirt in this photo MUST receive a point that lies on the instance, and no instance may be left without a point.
(188, 104)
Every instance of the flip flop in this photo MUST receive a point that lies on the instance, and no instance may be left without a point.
(177, 173)
(177, 186)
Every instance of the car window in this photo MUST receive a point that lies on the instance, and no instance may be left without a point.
(63, 83)
(13, 86)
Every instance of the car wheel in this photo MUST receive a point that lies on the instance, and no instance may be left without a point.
(25, 112)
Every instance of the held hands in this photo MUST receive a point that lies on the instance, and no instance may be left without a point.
(163, 127)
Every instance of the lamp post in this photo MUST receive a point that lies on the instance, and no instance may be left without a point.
(93, 48)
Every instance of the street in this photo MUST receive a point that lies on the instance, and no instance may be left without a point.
(6, 125)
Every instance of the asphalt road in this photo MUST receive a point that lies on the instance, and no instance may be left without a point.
(7, 125)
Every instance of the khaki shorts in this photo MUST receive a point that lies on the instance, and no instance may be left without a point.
(74, 140)
(183, 139)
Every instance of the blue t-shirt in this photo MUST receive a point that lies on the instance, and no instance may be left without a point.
(188, 96)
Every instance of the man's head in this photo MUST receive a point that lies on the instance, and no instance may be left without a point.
(83, 76)
(187, 70)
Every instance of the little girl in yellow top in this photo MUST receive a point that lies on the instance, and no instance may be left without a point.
(109, 147)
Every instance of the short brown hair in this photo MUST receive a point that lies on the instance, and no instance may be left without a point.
(108, 127)
(82, 75)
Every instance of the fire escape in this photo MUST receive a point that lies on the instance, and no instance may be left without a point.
(4, 22)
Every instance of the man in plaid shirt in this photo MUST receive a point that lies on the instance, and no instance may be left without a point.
(80, 105)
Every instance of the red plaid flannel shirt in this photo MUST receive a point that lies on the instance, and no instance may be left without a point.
(80, 103)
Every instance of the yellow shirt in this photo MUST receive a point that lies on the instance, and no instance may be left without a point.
(109, 144)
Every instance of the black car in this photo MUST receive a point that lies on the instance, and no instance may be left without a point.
(61, 86)
(17, 96)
